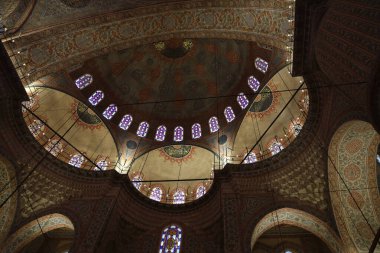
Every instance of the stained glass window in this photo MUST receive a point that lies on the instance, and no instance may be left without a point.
(171, 240)
(142, 131)
(101, 165)
(196, 131)
(242, 100)
(137, 181)
(110, 111)
(156, 194)
(96, 97)
(214, 124)
(201, 190)
(229, 114)
(54, 147)
(29, 104)
(296, 128)
(179, 197)
(125, 122)
(160, 133)
(76, 160)
(253, 83)
(83, 81)
(251, 158)
(36, 127)
(261, 65)
(276, 147)
(178, 133)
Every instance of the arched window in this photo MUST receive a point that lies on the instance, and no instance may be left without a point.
(142, 131)
(76, 160)
(54, 147)
(156, 194)
(196, 131)
(171, 239)
(229, 114)
(251, 158)
(242, 100)
(101, 165)
(179, 197)
(125, 122)
(29, 104)
(201, 190)
(214, 124)
(160, 133)
(96, 97)
(110, 111)
(136, 181)
(178, 133)
(276, 147)
(36, 127)
(296, 128)
(83, 81)
(253, 83)
(261, 65)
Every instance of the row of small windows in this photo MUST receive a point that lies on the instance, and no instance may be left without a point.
(179, 196)
(156, 193)
(274, 148)
(142, 131)
(78, 160)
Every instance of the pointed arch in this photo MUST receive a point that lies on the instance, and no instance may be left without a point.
(352, 151)
(301, 219)
(32, 230)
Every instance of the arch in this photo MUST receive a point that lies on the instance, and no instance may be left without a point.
(196, 131)
(126, 122)
(178, 134)
(301, 219)
(7, 212)
(240, 25)
(179, 196)
(242, 100)
(352, 151)
(156, 194)
(261, 65)
(96, 97)
(32, 230)
(83, 81)
(213, 124)
(253, 83)
(142, 131)
(110, 111)
(229, 114)
(160, 133)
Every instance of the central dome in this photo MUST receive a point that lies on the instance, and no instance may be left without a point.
(173, 81)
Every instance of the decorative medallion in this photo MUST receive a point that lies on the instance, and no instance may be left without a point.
(265, 102)
(87, 117)
(354, 146)
(174, 48)
(177, 153)
(76, 3)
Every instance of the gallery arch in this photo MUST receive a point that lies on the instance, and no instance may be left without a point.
(352, 165)
(31, 234)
